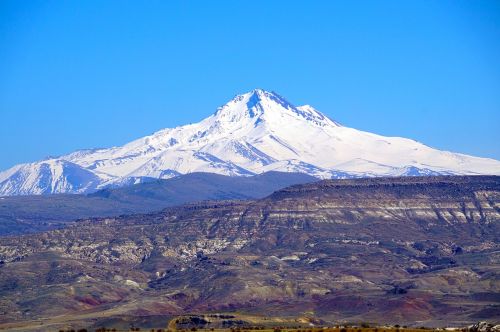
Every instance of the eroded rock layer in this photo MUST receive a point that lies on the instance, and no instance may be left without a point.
(387, 250)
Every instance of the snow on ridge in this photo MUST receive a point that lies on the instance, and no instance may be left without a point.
(254, 132)
(48, 176)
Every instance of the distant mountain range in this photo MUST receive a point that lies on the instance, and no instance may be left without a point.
(255, 132)
(35, 213)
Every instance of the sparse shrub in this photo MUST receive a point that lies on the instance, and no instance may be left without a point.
(82, 330)
(343, 329)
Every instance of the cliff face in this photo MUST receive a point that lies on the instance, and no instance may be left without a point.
(389, 250)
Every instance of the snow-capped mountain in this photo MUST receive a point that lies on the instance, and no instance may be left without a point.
(253, 133)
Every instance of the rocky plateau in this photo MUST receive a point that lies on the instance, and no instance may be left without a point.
(409, 250)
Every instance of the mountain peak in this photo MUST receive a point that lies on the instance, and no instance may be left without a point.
(270, 101)
(259, 103)
(259, 98)
(260, 95)
(254, 105)
(254, 132)
(258, 92)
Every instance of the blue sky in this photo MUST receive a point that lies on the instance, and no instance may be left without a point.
(83, 74)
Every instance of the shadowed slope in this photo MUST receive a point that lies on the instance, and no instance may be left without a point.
(20, 214)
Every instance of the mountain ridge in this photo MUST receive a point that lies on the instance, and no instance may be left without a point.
(27, 214)
(253, 133)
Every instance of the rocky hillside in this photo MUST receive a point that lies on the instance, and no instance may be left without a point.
(419, 251)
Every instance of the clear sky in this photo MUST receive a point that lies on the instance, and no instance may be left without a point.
(83, 74)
